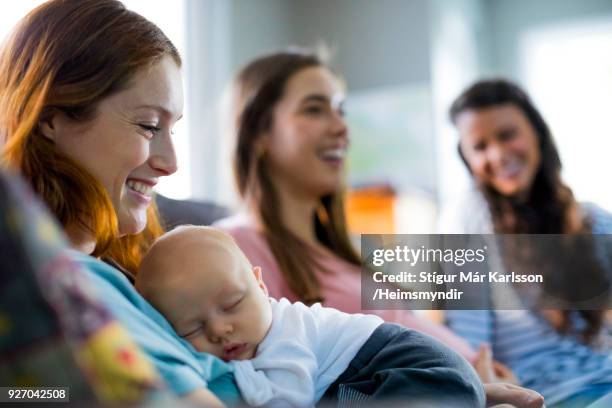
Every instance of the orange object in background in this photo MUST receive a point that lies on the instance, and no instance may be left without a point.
(371, 210)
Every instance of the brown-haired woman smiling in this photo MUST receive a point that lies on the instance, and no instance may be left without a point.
(89, 93)
(509, 150)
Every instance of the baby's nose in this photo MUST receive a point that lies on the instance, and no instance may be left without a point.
(219, 330)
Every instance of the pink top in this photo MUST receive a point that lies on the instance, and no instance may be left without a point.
(340, 287)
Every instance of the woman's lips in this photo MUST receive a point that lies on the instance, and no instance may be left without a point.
(141, 190)
(510, 170)
(333, 155)
(139, 197)
(234, 351)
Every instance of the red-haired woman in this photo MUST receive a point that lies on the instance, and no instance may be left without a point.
(89, 93)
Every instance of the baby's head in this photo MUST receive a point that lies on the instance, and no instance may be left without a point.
(200, 280)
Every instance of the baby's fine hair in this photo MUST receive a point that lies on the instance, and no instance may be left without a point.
(213, 234)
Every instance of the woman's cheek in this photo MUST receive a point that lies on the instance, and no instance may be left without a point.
(476, 164)
(518, 146)
(141, 153)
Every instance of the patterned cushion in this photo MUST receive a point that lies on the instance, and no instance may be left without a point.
(53, 330)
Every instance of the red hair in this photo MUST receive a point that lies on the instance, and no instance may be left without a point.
(66, 56)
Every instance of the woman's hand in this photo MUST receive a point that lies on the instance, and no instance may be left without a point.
(501, 385)
(491, 371)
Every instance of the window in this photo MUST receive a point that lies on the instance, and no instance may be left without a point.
(568, 71)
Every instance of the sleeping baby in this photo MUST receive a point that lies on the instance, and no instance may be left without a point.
(291, 354)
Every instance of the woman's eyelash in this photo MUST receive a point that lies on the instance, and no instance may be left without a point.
(149, 128)
(507, 134)
(313, 109)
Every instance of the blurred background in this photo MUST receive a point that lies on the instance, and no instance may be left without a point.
(404, 61)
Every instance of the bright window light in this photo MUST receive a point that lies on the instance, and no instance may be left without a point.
(568, 71)
(11, 13)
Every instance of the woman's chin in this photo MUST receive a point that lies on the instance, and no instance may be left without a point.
(513, 191)
(514, 187)
(131, 226)
(331, 185)
(329, 190)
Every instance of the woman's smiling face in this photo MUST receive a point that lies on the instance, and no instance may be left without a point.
(127, 146)
(308, 140)
(501, 148)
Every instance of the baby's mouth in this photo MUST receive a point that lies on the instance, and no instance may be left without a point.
(233, 351)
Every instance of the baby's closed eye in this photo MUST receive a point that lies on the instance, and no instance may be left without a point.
(232, 305)
(191, 332)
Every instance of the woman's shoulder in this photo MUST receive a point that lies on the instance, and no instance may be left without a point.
(601, 219)
(245, 232)
(253, 243)
(465, 213)
(96, 267)
(121, 297)
(241, 224)
(110, 280)
(115, 288)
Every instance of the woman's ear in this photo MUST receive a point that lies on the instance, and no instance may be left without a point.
(259, 278)
(47, 125)
(261, 145)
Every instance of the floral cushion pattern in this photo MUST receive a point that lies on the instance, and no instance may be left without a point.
(53, 330)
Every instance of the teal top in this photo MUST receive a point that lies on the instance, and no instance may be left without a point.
(182, 367)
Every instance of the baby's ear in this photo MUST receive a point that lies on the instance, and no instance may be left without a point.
(258, 276)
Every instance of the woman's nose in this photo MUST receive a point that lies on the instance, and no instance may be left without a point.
(162, 156)
(494, 155)
(339, 126)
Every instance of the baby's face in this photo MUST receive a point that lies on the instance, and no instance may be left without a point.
(215, 299)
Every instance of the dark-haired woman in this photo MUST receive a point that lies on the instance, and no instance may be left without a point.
(508, 148)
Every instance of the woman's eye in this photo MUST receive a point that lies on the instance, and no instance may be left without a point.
(479, 147)
(150, 130)
(313, 110)
(507, 134)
